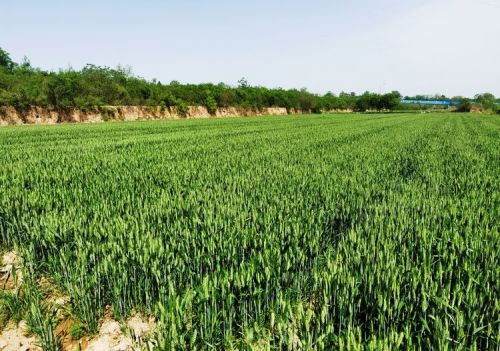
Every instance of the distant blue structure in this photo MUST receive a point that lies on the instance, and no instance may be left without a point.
(431, 102)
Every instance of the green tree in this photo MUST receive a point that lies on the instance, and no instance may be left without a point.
(211, 104)
(6, 61)
(465, 104)
(390, 101)
(486, 100)
(243, 83)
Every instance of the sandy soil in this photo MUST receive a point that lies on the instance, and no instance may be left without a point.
(13, 338)
(39, 115)
(10, 266)
(111, 336)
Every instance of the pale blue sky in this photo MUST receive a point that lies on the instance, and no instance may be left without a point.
(414, 46)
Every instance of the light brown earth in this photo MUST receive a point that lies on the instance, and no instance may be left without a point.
(40, 115)
(14, 338)
(10, 272)
(112, 337)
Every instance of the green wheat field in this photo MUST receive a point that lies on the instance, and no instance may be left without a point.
(323, 232)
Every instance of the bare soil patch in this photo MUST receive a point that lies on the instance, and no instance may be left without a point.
(15, 338)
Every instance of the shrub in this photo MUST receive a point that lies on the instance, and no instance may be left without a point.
(211, 105)
(182, 107)
(76, 331)
(465, 105)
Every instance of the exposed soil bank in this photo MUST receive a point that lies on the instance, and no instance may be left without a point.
(41, 115)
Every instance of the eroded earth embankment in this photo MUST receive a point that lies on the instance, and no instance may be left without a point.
(44, 115)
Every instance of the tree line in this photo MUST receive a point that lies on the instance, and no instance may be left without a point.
(486, 101)
(22, 86)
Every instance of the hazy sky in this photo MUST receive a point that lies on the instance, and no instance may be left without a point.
(414, 46)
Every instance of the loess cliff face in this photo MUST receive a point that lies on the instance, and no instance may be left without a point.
(42, 115)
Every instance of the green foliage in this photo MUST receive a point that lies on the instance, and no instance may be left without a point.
(41, 317)
(182, 107)
(465, 104)
(317, 233)
(211, 104)
(370, 101)
(93, 86)
(76, 331)
(22, 86)
(13, 307)
(106, 112)
(243, 83)
(5, 61)
(487, 101)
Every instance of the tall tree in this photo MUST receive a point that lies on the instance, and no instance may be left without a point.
(6, 61)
